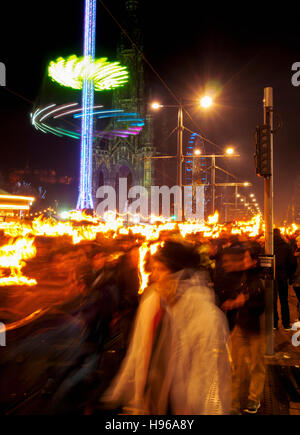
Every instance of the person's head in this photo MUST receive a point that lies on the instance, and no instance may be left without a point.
(169, 259)
(216, 245)
(255, 250)
(234, 240)
(277, 233)
(250, 260)
(164, 282)
(233, 258)
(159, 271)
(298, 242)
(177, 256)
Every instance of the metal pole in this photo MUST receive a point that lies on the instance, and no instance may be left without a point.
(179, 146)
(268, 215)
(180, 157)
(213, 182)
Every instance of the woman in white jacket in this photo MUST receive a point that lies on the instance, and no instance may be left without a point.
(178, 360)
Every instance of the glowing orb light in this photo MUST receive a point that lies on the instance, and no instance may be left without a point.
(156, 105)
(72, 71)
(229, 151)
(206, 101)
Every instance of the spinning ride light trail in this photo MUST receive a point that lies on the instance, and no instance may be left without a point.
(61, 121)
(70, 72)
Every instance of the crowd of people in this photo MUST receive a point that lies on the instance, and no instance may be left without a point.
(200, 329)
(182, 347)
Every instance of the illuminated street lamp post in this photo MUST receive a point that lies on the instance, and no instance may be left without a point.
(237, 195)
(246, 202)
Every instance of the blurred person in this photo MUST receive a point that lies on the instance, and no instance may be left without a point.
(229, 277)
(178, 360)
(285, 266)
(247, 336)
(109, 310)
(292, 242)
(46, 337)
(235, 240)
(128, 283)
(216, 256)
(103, 312)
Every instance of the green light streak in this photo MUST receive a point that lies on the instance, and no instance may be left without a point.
(71, 72)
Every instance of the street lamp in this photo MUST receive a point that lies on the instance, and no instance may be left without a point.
(229, 151)
(156, 105)
(252, 206)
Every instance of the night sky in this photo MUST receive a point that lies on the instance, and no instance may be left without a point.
(237, 50)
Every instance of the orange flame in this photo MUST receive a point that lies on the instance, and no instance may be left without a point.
(144, 276)
(12, 257)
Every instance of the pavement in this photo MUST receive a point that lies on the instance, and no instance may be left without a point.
(282, 386)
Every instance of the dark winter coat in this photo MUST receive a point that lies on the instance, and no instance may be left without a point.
(285, 261)
(248, 316)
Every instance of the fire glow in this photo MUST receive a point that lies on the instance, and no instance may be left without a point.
(81, 227)
(12, 257)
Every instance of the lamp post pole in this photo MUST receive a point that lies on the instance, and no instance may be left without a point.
(179, 146)
(268, 215)
(213, 183)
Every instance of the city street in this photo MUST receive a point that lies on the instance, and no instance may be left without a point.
(149, 210)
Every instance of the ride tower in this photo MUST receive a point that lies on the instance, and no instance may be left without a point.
(85, 200)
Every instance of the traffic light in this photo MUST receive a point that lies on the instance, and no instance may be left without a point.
(263, 150)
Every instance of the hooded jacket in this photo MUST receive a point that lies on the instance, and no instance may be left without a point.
(186, 369)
